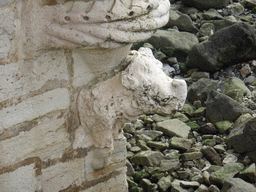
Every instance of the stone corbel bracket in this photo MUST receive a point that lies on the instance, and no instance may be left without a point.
(142, 88)
(87, 24)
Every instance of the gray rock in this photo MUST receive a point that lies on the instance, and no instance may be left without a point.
(202, 188)
(220, 148)
(250, 172)
(206, 4)
(169, 165)
(182, 21)
(158, 118)
(234, 83)
(176, 186)
(188, 184)
(237, 184)
(200, 89)
(208, 128)
(164, 183)
(223, 126)
(230, 158)
(199, 75)
(171, 154)
(151, 133)
(188, 109)
(157, 145)
(213, 188)
(130, 170)
(220, 107)
(131, 183)
(135, 149)
(140, 136)
(226, 173)
(182, 117)
(220, 24)
(249, 3)
(191, 156)
(148, 186)
(174, 127)
(243, 138)
(143, 145)
(207, 29)
(226, 47)
(211, 155)
(181, 41)
(212, 14)
(180, 143)
(148, 158)
(245, 71)
(129, 128)
(235, 9)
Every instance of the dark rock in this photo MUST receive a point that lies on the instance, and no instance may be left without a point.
(211, 155)
(220, 107)
(200, 89)
(174, 43)
(225, 173)
(237, 184)
(226, 47)
(206, 4)
(169, 165)
(148, 158)
(182, 21)
(208, 128)
(243, 138)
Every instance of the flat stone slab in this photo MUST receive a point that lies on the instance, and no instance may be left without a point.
(173, 127)
(148, 158)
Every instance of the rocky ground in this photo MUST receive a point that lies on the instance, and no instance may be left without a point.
(209, 145)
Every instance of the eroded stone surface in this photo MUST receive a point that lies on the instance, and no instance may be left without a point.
(90, 24)
(141, 88)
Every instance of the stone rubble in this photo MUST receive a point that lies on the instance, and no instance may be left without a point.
(209, 145)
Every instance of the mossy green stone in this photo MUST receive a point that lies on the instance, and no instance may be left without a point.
(156, 177)
(181, 116)
(223, 126)
(157, 145)
(183, 67)
(209, 142)
(138, 176)
(225, 173)
(194, 126)
(199, 112)
(168, 51)
(164, 183)
(188, 109)
(136, 189)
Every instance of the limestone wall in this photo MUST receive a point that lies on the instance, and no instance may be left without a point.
(39, 119)
(42, 144)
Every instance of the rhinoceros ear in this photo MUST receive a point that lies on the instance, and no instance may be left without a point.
(129, 81)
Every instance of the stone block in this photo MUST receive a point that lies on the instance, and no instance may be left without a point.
(21, 179)
(114, 184)
(31, 108)
(62, 175)
(21, 78)
(47, 140)
(92, 64)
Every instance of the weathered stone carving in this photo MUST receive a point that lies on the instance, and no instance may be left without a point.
(142, 88)
(89, 23)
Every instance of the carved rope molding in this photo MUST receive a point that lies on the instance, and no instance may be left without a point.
(89, 24)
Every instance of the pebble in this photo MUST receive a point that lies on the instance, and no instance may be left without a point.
(164, 158)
